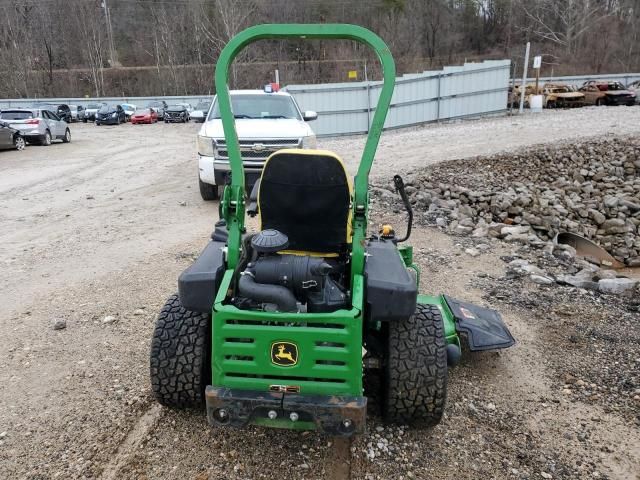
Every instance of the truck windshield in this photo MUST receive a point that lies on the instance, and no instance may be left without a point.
(260, 106)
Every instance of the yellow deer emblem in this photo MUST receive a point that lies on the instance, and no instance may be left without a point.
(284, 354)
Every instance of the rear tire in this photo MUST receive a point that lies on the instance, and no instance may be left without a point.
(46, 140)
(67, 136)
(415, 390)
(208, 192)
(180, 366)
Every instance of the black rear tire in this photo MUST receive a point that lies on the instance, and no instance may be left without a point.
(415, 389)
(180, 356)
(208, 192)
(46, 139)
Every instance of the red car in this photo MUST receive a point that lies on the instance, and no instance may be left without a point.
(146, 115)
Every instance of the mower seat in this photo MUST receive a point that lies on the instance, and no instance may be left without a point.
(306, 194)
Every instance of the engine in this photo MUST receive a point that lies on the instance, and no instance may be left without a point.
(273, 281)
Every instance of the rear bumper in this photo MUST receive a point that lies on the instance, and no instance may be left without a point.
(34, 137)
(615, 101)
(333, 415)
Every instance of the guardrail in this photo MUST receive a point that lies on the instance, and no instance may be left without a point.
(578, 80)
(138, 101)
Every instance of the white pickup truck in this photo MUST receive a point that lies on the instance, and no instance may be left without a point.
(265, 122)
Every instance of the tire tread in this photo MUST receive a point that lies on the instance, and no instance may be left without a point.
(180, 353)
(416, 369)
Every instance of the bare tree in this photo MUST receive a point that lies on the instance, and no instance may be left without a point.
(563, 23)
(60, 47)
(90, 27)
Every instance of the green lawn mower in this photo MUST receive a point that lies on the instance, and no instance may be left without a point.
(281, 328)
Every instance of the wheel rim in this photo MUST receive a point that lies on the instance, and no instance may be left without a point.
(67, 136)
(20, 143)
(47, 138)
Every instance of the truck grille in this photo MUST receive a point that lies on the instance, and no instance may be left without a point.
(257, 149)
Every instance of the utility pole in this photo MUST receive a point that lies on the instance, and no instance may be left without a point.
(112, 50)
(523, 88)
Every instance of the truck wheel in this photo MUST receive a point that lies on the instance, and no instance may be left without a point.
(415, 389)
(180, 356)
(208, 192)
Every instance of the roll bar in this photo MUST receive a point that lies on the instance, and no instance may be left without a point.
(233, 207)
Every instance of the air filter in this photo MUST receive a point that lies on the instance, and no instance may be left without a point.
(269, 241)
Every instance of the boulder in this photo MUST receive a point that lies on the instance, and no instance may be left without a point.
(618, 286)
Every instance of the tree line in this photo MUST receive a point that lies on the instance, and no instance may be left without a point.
(54, 48)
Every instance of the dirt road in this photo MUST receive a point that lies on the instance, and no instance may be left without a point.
(102, 227)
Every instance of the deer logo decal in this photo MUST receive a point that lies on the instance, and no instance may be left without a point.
(284, 354)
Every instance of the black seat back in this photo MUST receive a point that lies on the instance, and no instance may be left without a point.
(306, 194)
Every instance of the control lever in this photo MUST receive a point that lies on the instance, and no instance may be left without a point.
(399, 184)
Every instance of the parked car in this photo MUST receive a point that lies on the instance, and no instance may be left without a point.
(159, 107)
(11, 137)
(635, 88)
(37, 125)
(91, 111)
(129, 110)
(265, 122)
(77, 112)
(145, 115)
(176, 113)
(188, 106)
(110, 115)
(61, 110)
(607, 93)
(559, 95)
(200, 112)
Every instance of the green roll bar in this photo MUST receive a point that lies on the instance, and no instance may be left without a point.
(233, 205)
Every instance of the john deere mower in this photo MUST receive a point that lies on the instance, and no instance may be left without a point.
(281, 327)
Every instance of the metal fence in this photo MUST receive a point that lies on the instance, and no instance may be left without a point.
(470, 90)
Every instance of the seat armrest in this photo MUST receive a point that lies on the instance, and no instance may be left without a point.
(252, 209)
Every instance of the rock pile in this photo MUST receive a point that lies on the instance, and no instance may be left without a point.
(591, 188)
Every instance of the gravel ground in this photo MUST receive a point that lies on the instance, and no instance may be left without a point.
(402, 151)
(94, 234)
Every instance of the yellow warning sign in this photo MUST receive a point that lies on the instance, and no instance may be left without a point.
(353, 74)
